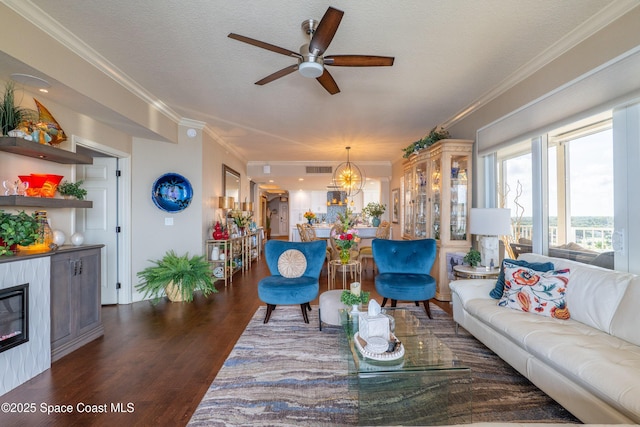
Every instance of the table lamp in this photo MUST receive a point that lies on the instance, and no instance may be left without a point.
(488, 224)
(226, 204)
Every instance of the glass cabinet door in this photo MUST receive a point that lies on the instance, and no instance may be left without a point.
(459, 188)
(436, 197)
(421, 202)
(408, 203)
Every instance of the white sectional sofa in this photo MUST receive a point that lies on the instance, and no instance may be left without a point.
(590, 363)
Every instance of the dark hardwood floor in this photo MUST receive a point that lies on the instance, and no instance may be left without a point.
(152, 366)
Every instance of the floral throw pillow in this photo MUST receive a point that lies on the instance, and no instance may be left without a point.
(536, 292)
(496, 292)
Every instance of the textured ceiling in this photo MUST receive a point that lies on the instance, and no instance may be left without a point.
(448, 54)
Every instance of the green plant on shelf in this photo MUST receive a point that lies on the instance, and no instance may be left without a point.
(72, 189)
(17, 229)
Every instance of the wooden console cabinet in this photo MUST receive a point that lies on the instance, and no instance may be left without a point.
(75, 299)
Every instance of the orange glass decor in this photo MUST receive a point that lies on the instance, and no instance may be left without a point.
(41, 184)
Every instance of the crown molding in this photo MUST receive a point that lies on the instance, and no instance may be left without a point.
(316, 162)
(596, 23)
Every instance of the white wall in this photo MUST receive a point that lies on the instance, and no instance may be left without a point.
(151, 236)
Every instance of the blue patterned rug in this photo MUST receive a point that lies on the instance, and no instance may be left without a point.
(288, 373)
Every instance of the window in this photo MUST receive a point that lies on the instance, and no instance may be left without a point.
(580, 180)
(515, 192)
(578, 192)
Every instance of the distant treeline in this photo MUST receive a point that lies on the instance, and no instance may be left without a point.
(577, 221)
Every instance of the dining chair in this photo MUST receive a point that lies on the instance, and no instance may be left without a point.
(383, 232)
(404, 268)
(302, 232)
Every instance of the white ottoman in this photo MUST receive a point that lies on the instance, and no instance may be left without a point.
(328, 307)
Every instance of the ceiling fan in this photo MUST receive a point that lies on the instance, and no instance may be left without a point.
(311, 61)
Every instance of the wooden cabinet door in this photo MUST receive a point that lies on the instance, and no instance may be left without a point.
(62, 300)
(75, 300)
(86, 280)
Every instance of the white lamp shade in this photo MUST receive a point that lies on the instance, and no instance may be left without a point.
(490, 221)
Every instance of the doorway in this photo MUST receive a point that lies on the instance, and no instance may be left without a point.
(107, 185)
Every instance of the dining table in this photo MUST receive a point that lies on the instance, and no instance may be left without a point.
(323, 231)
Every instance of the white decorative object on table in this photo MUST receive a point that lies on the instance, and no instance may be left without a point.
(59, 237)
(355, 288)
(363, 347)
(215, 253)
(374, 308)
(373, 323)
(77, 239)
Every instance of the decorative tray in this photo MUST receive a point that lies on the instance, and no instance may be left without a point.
(362, 345)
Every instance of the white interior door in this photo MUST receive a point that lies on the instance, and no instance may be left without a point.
(99, 223)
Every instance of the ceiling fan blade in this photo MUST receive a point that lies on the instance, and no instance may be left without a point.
(327, 28)
(327, 82)
(288, 70)
(264, 45)
(359, 60)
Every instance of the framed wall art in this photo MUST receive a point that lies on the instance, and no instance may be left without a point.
(395, 205)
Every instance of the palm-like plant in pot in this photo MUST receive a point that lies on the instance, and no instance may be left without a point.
(176, 276)
(17, 229)
(10, 114)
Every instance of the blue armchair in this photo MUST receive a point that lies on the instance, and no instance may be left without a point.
(403, 270)
(295, 271)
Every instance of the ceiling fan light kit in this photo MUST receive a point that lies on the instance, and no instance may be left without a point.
(311, 61)
(310, 69)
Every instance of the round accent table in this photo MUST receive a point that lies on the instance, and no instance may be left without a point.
(468, 272)
(352, 270)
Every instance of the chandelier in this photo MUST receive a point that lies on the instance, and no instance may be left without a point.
(348, 177)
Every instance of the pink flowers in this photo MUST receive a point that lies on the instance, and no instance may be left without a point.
(347, 239)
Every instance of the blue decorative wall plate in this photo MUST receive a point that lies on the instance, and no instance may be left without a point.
(172, 192)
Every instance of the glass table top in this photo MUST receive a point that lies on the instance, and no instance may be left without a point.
(423, 350)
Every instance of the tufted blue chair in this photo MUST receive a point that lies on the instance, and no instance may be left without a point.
(403, 270)
(278, 289)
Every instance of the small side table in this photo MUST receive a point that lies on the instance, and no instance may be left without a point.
(468, 272)
(353, 268)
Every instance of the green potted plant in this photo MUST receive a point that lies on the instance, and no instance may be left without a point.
(72, 189)
(374, 210)
(176, 276)
(472, 257)
(10, 114)
(17, 229)
(349, 298)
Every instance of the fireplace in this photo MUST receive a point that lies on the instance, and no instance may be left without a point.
(14, 316)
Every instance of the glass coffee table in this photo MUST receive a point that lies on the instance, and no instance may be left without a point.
(428, 385)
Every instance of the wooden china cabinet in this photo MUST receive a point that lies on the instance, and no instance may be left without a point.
(437, 200)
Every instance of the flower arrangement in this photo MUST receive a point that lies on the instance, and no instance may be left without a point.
(346, 239)
(308, 215)
(241, 219)
(374, 210)
(347, 219)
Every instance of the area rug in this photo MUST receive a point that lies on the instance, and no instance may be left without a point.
(288, 373)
